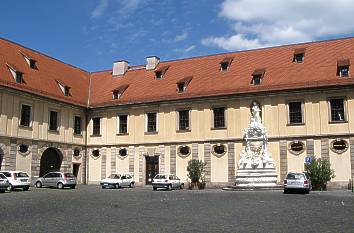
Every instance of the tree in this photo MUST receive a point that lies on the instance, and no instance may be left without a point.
(319, 171)
(195, 170)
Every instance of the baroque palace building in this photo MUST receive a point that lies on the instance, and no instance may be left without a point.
(156, 117)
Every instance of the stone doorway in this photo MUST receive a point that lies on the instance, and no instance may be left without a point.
(1, 158)
(152, 168)
(76, 169)
(50, 161)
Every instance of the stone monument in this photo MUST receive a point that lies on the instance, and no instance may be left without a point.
(256, 167)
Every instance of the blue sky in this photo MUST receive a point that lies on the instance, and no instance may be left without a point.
(92, 34)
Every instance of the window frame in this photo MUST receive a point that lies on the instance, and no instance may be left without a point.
(340, 68)
(49, 120)
(93, 129)
(30, 116)
(213, 117)
(345, 112)
(178, 126)
(156, 123)
(74, 126)
(118, 124)
(302, 112)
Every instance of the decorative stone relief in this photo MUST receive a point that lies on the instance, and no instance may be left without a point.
(219, 150)
(296, 147)
(339, 146)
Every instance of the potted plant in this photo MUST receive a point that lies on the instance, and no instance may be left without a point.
(319, 171)
(195, 170)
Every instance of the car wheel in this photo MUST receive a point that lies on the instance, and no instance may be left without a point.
(181, 186)
(60, 186)
(72, 187)
(39, 184)
(10, 188)
(307, 191)
(2, 190)
(154, 188)
(117, 186)
(25, 188)
(169, 187)
(286, 191)
(131, 185)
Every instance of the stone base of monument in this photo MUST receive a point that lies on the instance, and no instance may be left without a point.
(256, 179)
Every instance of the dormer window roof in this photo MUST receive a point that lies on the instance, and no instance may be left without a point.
(226, 63)
(118, 92)
(16, 74)
(161, 72)
(64, 88)
(183, 84)
(257, 76)
(343, 68)
(299, 55)
(30, 61)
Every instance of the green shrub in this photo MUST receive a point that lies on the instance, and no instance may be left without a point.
(195, 170)
(319, 171)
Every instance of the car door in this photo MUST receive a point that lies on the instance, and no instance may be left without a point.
(124, 180)
(46, 179)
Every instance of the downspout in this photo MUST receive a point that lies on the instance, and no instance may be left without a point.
(87, 114)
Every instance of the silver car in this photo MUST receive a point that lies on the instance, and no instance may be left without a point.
(56, 179)
(297, 181)
(166, 181)
(4, 183)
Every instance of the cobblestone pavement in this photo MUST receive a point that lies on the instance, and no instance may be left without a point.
(91, 209)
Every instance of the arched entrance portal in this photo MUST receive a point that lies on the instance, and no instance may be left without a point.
(50, 161)
(1, 158)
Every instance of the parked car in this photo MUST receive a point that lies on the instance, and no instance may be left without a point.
(4, 183)
(167, 181)
(297, 181)
(56, 179)
(117, 181)
(17, 179)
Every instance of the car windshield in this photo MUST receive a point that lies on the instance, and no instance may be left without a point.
(296, 176)
(160, 177)
(113, 176)
(69, 175)
(21, 174)
(7, 174)
(2, 176)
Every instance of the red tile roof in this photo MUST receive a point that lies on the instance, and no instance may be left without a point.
(42, 81)
(319, 69)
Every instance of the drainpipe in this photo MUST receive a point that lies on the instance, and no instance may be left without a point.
(87, 112)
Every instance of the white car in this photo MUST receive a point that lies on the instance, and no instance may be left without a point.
(17, 179)
(167, 181)
(117, 181)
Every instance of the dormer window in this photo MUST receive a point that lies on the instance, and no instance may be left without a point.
(182, 84)
(33, 64)
(64, 88)
(225, 63)
(343, 68)
(257, 76)
(30, 61)
(299, 55)
(118, 92)
(19, 77)
(159, 74)
(16, 74)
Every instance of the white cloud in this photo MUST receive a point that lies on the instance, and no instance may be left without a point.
(190, 48)
(260, 23)
(99, 9)
(181, 37)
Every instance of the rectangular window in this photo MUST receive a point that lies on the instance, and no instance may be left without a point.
(219, 117)
(295, 113)
(19, 77)
(123, 124)
(53, 120)
(25, 115)
(66, 91)
(96, 126)
(33, 64)
(77, 125)
(257, 79)
(337, 110)
(183, 120)
(151, 122)
(224, 66)
(343, 68)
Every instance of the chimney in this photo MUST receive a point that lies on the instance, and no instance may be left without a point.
(120, 67)
(152, 62)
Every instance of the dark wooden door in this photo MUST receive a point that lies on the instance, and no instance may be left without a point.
(152, 168)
